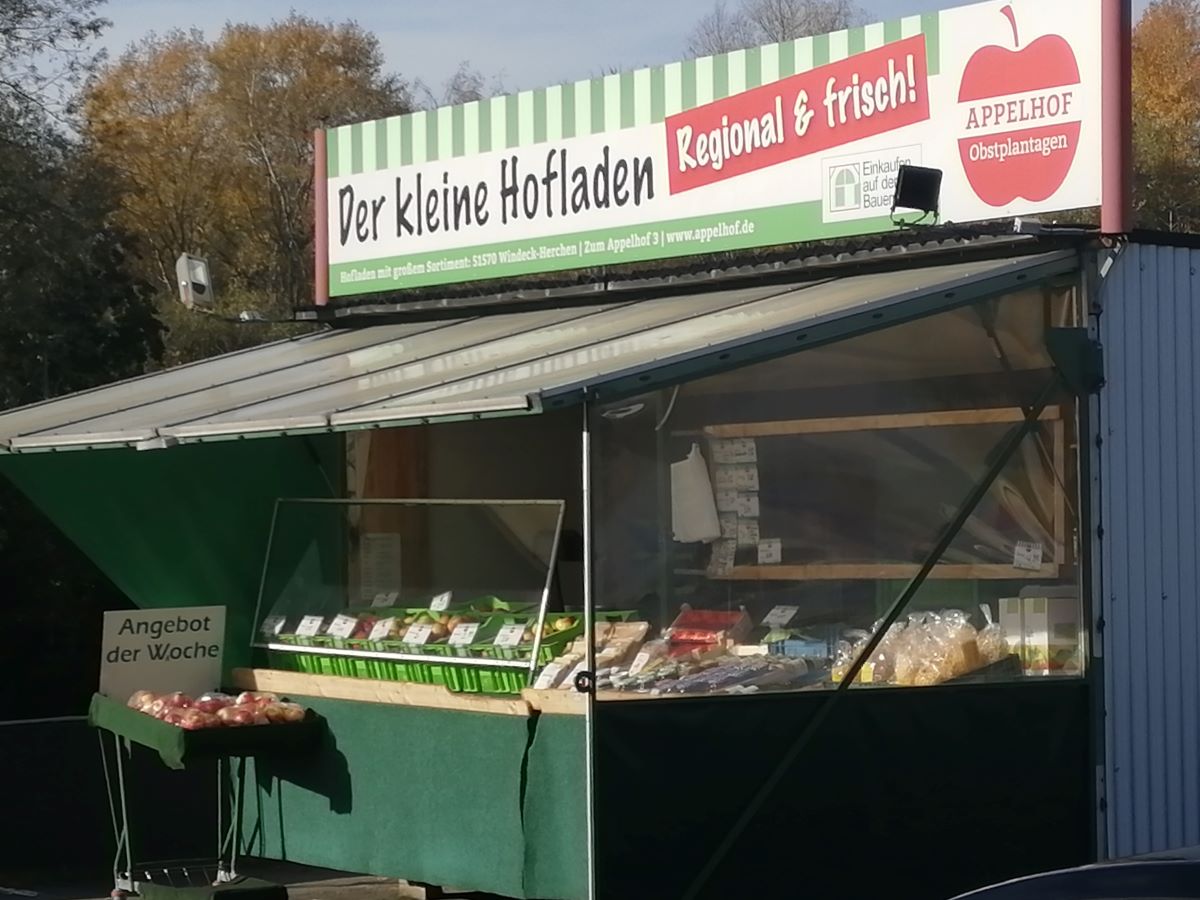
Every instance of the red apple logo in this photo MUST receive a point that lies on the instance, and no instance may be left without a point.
(1022, 118)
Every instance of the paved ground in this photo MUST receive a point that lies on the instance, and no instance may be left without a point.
(304, 883)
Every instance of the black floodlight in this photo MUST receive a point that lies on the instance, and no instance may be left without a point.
(918, 188)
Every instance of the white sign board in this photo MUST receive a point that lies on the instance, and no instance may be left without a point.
(791, 142)
(162, 650)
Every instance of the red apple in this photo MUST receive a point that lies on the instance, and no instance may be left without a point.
(211, 703)
(998, 175)
(236, 716)
(195, 719)
(249, 698)
(177, 700)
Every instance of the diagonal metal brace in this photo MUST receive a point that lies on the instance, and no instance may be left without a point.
(999, 458)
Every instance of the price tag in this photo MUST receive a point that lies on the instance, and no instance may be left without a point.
(1027, 555)
(418, 634)
(639, 662)
(770, 552)
(310, 626)
(729, 525)
(381, 629)
(747, 505)
(780, 616)
(342, 626)
(271, 626)
(441, 602)
(747, 532)
(463, 634)
(727, 500)
(509, 635)
(382, 600)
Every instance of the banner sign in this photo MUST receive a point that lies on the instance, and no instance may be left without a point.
(790, 142)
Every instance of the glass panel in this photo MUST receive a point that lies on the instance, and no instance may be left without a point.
(367, 588)
(752, 528)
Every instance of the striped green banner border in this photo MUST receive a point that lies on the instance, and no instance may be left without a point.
(606, 104)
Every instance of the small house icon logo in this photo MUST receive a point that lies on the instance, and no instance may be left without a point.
(845, 188)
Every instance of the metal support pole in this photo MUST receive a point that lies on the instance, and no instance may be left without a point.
(1000, 456)
(1116, 116)
(320, 218)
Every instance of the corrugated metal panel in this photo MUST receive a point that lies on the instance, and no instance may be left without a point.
(1150, 568)
(497, 364)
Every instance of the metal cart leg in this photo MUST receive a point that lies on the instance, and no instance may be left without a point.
(122, 877)
(227, 847)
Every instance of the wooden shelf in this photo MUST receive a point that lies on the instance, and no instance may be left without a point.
(884, 572)
(948, 418)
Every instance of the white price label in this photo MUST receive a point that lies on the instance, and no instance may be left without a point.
(770, 552)
(418, 634)
(509, 635)
(310, 626)
(342, 626)
(441, 602)
(381, 629)
(747, 532)
(639, 662)
(780, 616)
(382, 600)
(729, 525)
(747, 505)
(271, 626)
(1027, 555)
(727, 500)
(464, 634)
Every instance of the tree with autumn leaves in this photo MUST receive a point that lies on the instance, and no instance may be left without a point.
(211, 144)
(1166, 116)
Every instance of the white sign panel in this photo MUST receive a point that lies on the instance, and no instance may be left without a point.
(162, 650)
(793, 142)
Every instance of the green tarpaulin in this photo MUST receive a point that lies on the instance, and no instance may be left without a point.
(186, 526)
(469, 800)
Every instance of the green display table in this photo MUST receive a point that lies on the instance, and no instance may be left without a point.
(460, 798)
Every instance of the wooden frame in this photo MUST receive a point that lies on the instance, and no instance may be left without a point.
(867, 571)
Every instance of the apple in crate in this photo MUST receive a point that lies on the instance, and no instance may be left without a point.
(280, 713)
(238, 716)
(213, 703)
(255, 698)
(196, 719)
(141, 700)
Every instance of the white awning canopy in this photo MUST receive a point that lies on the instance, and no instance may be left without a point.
(497, 364)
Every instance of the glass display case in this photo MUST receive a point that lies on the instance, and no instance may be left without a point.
(767, 521)
(460, 593)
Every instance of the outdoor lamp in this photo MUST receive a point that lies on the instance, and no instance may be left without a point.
(917, 188)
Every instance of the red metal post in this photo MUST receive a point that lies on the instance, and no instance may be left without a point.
(320, 218)
(1116, 203)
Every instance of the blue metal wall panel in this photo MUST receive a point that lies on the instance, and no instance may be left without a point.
(1151, 531)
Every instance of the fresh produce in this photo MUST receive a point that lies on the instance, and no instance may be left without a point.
(212, 703)
(217, 710)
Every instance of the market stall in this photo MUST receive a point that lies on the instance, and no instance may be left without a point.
(769, 572)
(445, 639)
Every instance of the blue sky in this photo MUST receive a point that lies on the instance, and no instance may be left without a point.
(527, 43)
